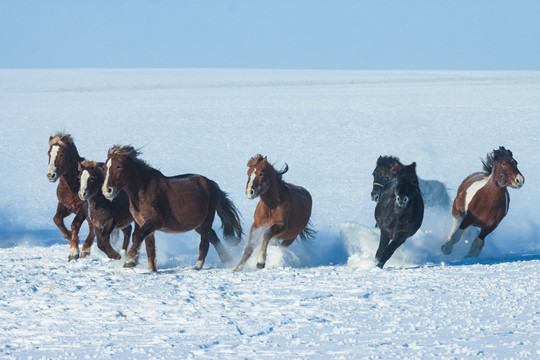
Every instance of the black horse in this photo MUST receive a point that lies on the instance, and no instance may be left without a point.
(399, 212)
(433, 192)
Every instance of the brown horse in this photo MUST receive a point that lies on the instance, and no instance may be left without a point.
(170, 204)
(63, 163)
(283, 209)
(483, 200)
(105, 215)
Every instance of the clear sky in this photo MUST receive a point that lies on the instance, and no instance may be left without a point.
(282, 34)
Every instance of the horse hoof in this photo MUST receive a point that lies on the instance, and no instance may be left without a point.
(73, 257)
(380, 265)
(199, 265)
(446, 250)
(85, 253)
(260, 265)
(130, 263)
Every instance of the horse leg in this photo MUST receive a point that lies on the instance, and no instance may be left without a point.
(203, 248)
(478, 243)
(383, 243)
(104, 244)
(389, 250)
(61, 213)
(75, 227)
(454, 236)
(140, 233)
(85, 251)
(268, 234)
(247, 251)
(127, 234)
(150, 242)
(220, 249)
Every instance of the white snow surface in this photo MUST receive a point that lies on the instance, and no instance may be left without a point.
(319, 299)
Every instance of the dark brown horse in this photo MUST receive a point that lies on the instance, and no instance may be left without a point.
(63, 162)
(399, 212)
(483, 200)
(283, 210)
(105, 215)
(434, 193)
(170, 204)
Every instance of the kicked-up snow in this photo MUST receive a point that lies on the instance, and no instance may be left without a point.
(319, 299)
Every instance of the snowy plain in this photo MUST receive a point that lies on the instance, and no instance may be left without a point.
(321, 299)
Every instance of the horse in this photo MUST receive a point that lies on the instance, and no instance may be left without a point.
(283, 210)
(482, 199)
(399, 212)
(171, 204)
(63, 167)
(105, 215)
(434, 193)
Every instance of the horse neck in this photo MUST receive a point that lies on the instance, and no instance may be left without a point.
(493, 186)
(139, 180)
(274, 196)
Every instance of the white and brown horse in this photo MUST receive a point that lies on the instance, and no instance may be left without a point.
(63, 167)
(483, 200)
(283, 210)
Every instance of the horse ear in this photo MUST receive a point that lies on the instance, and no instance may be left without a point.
(67, 138)
(265, 159)
(80, 166)
(413, 165)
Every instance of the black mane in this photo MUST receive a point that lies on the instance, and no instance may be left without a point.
(493, 157)
(387, 161)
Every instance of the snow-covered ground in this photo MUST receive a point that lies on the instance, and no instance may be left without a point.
(322, 299)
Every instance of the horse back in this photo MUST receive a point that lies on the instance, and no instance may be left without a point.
(182, 202)
(461, 202)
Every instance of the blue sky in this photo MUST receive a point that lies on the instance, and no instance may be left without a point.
(291, 34)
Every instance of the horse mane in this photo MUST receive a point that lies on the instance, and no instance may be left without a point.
(495, 155)
(132, 153)
(62, 139)
(387, 161)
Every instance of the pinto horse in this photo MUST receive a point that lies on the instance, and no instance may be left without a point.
(105, 215)
(63, 163)
(171, 204)
(399, 212)
(482, 199)
(434, 193)
(283, 210)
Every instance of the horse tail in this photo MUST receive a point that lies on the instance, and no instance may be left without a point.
(308, 233)
(230, 218)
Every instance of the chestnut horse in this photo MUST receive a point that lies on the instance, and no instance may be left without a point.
(170, 204)
(399, 212)
(482, 199)
(63, 163)
(283, 210)
(434, 193)
(106, 215)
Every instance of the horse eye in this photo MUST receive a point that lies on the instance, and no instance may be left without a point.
(261, 174)
(119, 167)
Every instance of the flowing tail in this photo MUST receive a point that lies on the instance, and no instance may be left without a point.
(230, 218)
(308, 233)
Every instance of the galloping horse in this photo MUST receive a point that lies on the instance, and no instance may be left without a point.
(106, 215)
(63, 160)
(434, 193)
(170, 204)
(483, 200)
(283, 210)
(399, 212)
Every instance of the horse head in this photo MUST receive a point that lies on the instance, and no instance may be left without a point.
(91, 177)
(261, 175)
(386, 169)
(503, 167)
(61, 156)
(117, 167)
(407, 185)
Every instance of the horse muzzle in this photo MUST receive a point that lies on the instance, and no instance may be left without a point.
(83, 195)
(109, 193)
(402, 201)
(251, 194)
(52, 176)
(518, 181)
(375, 196)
